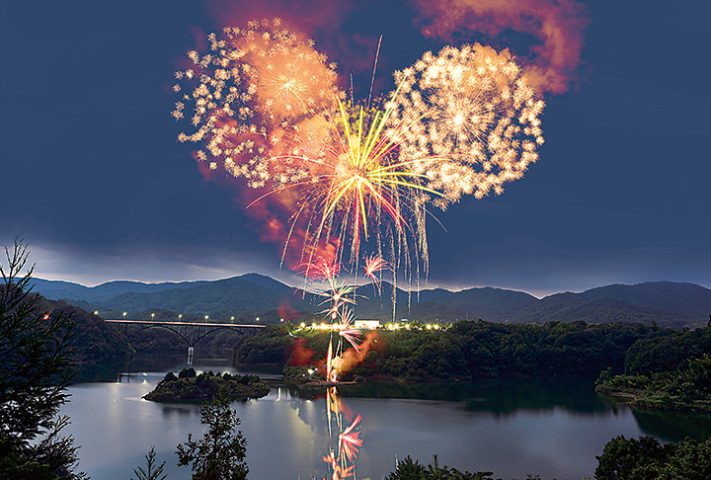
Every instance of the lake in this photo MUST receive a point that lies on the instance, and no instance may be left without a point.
(550, 428)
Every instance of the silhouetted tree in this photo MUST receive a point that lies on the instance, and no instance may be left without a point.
(220, 454)
(409, 469)
(152, 471)
(646, 459)
(630, 459)
(35, 369)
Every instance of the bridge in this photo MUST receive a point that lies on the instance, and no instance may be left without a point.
(190, 332)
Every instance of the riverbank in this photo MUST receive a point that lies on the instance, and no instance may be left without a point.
(685, 389)
(661, 391)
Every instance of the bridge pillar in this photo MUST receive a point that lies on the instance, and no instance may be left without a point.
(191, 350)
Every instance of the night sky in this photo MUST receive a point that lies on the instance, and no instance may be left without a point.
(94, 179)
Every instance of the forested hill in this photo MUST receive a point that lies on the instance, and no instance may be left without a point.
(666, 303)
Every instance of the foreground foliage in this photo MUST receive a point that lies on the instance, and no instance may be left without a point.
(35, 370)
(153, 470)
(220, 453)
(409, 469)
(647, 459)
(622, 459)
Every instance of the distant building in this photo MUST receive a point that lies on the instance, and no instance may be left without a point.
(367, 324)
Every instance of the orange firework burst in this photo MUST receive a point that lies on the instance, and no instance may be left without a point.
(251, 81)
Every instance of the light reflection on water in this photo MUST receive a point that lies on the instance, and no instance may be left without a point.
(511, 429)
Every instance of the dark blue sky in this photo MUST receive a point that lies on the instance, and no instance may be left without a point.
(94, 179)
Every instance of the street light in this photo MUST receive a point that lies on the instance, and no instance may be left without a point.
(207, 317)
(153, 315)
(232, 318)
(124, 314)
(257, 318)
(96, 312)
(281, 320)
(180, 316)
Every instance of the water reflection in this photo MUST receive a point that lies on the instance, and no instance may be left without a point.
(552, 428)
(672, 427)
(344, 427)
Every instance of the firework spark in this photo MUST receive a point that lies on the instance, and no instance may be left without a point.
(471, 107)
(349, 440)
(359, 187)
(250, 82)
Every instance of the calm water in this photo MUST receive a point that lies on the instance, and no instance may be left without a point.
(554, 429)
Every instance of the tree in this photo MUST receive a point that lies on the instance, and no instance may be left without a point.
(152, 471)
(220, 454)
(631, 459)
(691, 461)
(646, 459)
(35, 370)
(408, 469)
(699, 372)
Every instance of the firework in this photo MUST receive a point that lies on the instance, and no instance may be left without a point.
(359, 189)
(356, 180)
(349, 440)
(472, 108)
(251, 82)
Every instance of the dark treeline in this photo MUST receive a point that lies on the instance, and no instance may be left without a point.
(670, 372)
(469, 350)
(667, 352)
(95, 343)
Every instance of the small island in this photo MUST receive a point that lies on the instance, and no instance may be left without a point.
(189, 387)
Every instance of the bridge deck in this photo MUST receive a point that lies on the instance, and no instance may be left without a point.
(184, 324)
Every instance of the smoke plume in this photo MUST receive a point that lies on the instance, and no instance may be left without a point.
(559, 25)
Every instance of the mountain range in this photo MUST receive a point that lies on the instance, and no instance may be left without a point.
(247, 296)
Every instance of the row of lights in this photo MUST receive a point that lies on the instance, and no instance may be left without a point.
(180, 316)
(328, 326)
(387, 326)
